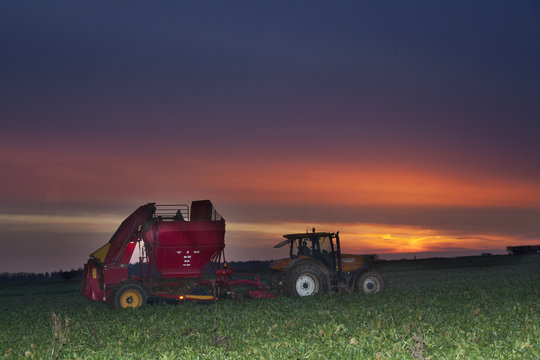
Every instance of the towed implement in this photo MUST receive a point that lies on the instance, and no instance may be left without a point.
(179, 248)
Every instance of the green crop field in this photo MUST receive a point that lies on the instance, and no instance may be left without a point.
(478, 309)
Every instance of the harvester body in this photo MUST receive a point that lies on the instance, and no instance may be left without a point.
(178, 246)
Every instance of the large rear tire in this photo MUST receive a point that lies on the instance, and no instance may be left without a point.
(130, 296)
(305, 280)
(370, 283)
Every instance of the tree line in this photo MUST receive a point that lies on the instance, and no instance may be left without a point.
(54, 276)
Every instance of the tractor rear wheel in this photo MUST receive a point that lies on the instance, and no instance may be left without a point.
(305, 280)
(130, 296)
(370, 283)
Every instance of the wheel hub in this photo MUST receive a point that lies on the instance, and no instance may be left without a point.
(371, 285)
(131, 298)
(306, 285)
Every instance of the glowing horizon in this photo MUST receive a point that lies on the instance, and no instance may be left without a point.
(255, 240)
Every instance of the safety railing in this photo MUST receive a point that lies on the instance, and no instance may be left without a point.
(172, 212)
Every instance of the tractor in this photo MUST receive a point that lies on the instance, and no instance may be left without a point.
(316, 265)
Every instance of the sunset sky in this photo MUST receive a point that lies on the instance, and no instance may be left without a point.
(410, 127)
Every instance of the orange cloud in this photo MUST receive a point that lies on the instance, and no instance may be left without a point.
(54, 173)
(291, 182)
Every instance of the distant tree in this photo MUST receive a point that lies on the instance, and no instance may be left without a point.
(523, 249)
(66, 275)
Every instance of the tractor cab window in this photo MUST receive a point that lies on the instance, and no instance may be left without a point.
(325, 244)
(326, 247)
(304, 247)
(313, 245)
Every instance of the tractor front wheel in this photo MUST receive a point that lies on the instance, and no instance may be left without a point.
(130, 296)
(305, 280)
(370, 282)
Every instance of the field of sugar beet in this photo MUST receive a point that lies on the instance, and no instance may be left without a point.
(479, 308)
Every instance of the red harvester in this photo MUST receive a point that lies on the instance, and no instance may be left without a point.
(178, 249)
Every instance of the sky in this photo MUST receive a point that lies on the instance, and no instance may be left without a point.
(410, 127)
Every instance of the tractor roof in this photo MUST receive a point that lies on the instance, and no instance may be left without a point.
(292, 237)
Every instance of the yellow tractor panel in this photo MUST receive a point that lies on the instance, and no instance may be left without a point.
(352, 262)
(280, 264)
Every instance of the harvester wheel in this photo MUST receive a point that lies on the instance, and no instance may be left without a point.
(130, 296)
(370, 283)
(305, 280)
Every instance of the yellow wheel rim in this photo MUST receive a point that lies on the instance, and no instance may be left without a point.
(130, 298)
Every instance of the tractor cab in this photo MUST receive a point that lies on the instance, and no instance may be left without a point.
(318, 245)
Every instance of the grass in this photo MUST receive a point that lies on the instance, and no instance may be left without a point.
(478, 312)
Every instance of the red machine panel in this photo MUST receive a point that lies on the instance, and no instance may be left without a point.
(91, 283)
(182, 249)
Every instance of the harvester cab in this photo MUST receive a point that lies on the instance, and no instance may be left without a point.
(316, 265)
